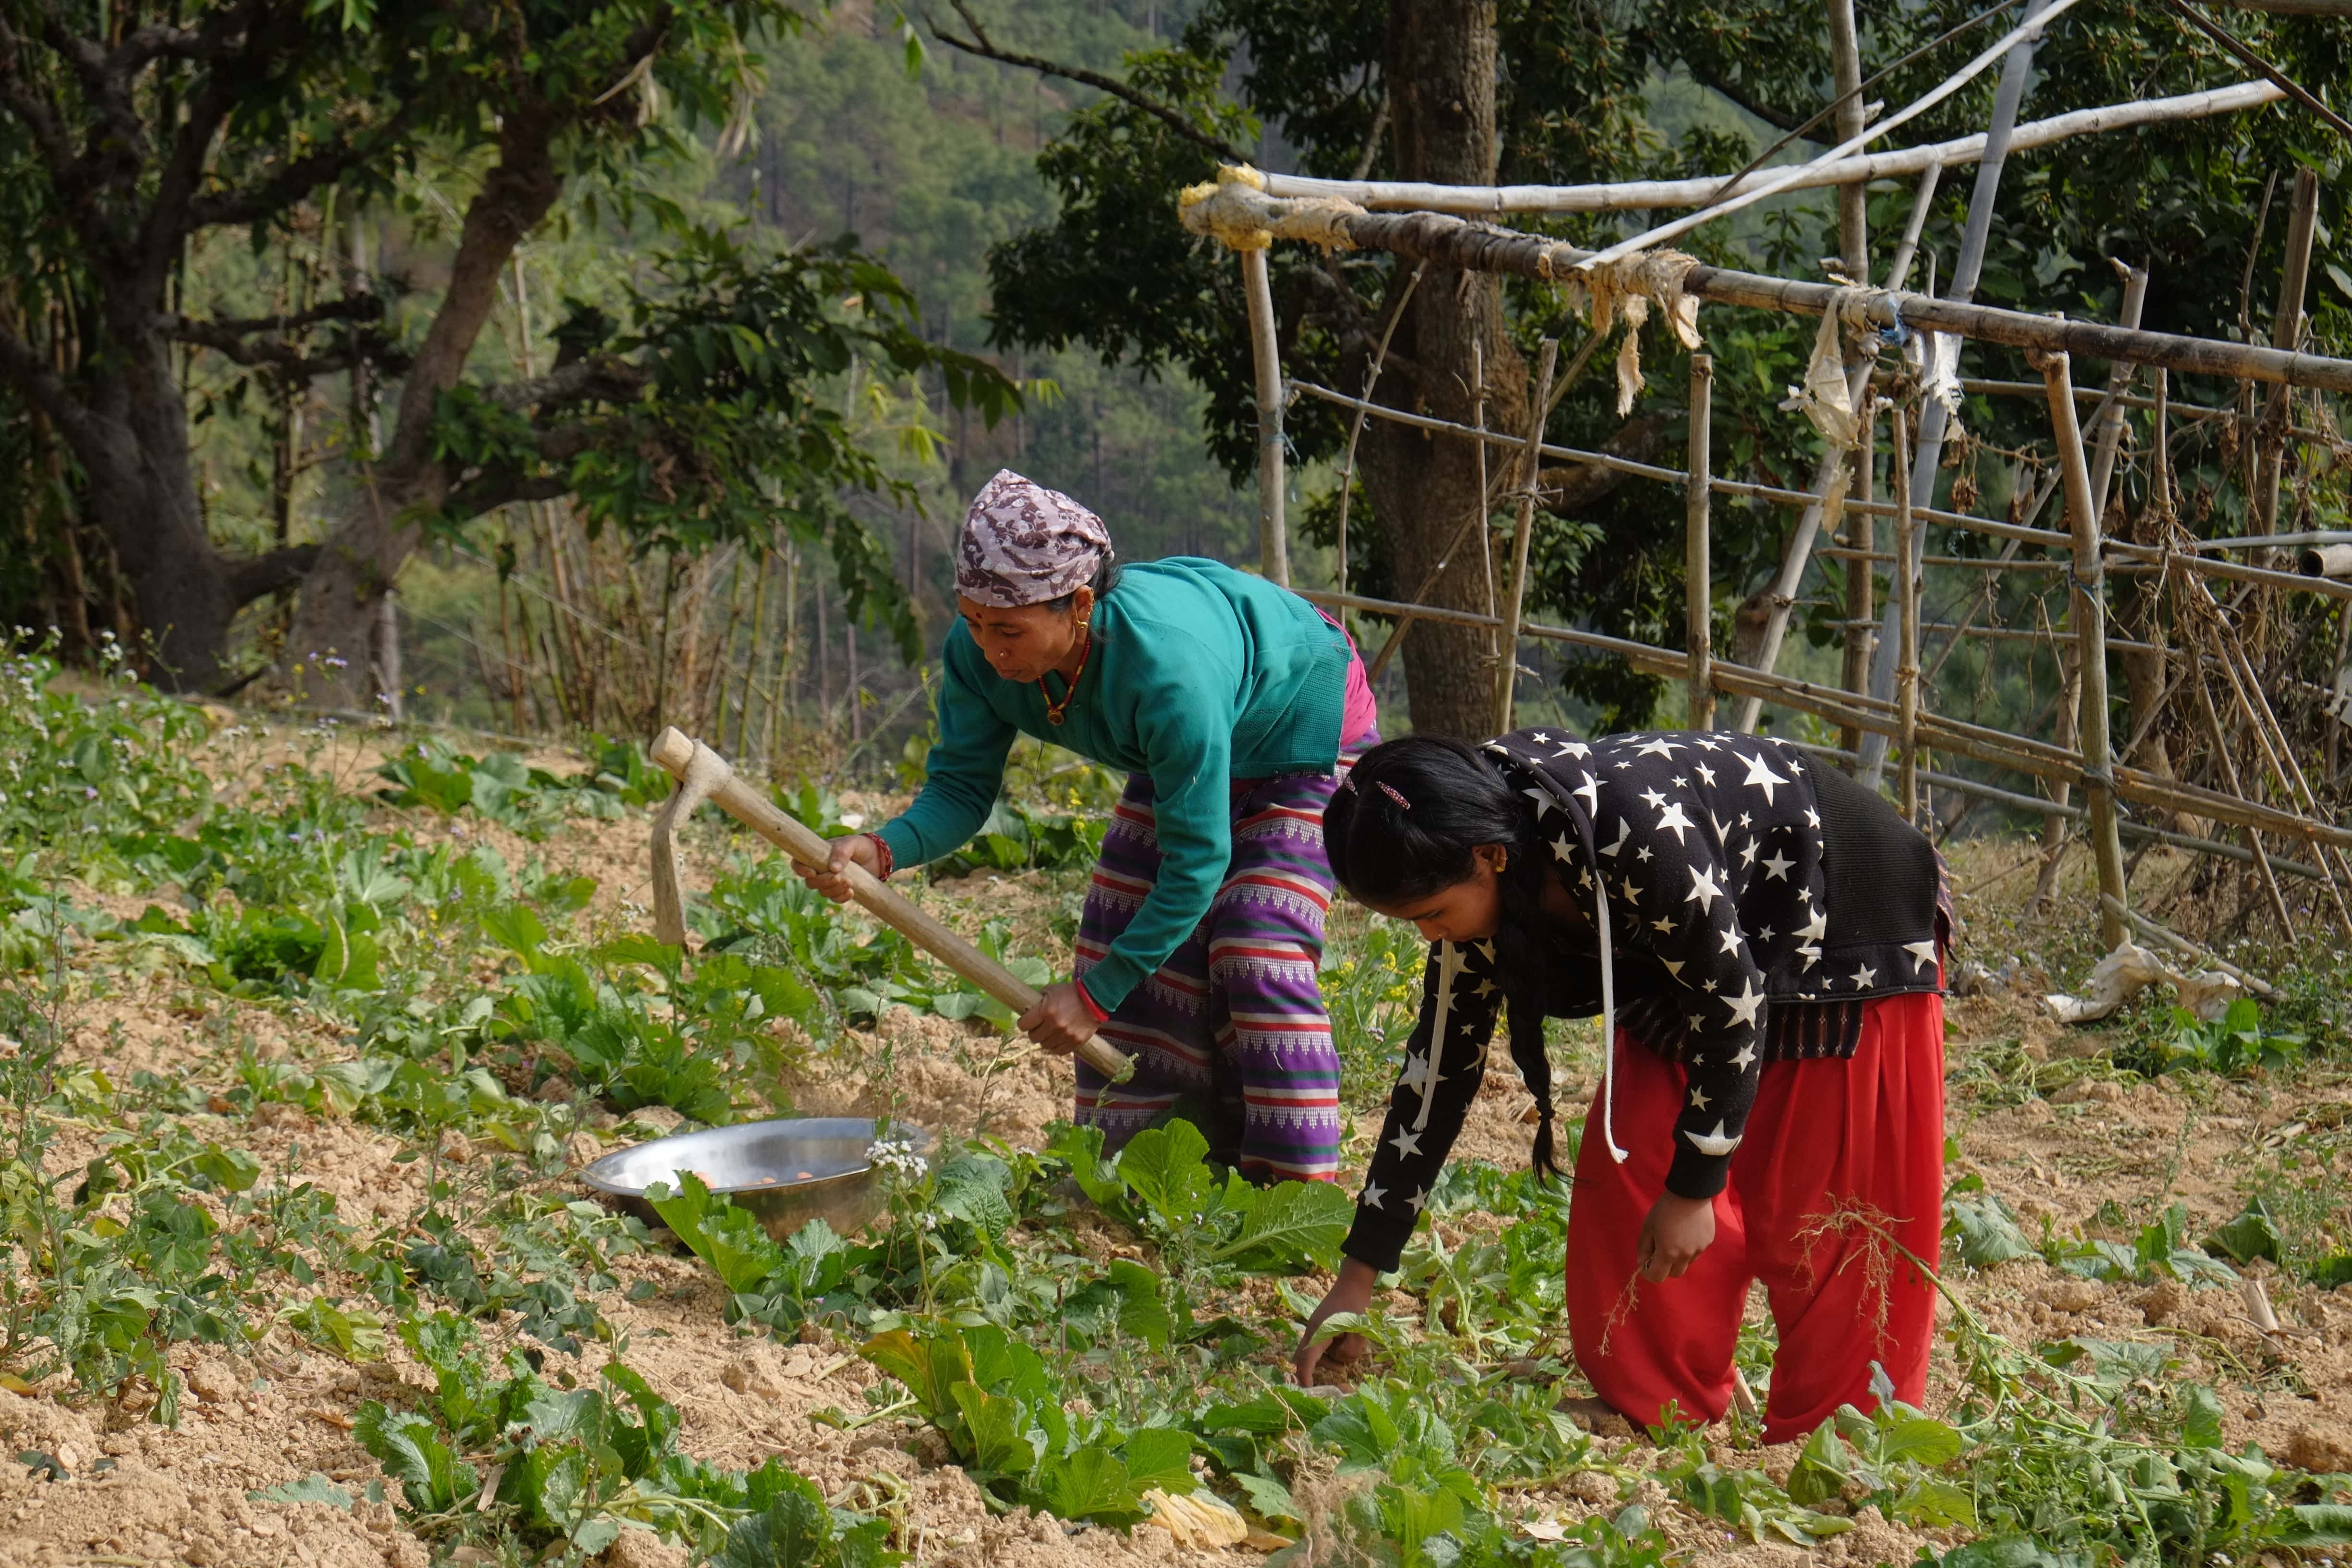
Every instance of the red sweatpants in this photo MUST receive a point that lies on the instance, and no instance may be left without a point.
(1830, 1145)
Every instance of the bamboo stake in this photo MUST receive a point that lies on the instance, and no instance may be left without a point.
(2203, 565)
(2016, 753)
(1507, 674)
(1852, 118)
(751, 655)
(1698, 575)
(2109, 419)
(2281, 756)
(2228, 767)
(2088, 608)
(1634, 195)
(1273, 534)
(1356, 426)
(2286, 332)
(1862, 578)
(1485, 502)
(1907, 598)
(717, 782)
(1835, 474)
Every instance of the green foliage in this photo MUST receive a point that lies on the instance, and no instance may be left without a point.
(498, 1451)
(718, 417)
(121, 766)
(1162, 1185)
(1002, 1415)
(1016, 839)
(2235, 1044)
(768, 912)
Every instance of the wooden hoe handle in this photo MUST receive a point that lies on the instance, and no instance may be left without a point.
(676, 753)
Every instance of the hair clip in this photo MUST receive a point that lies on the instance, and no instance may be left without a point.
(1348, 782)
(1391, 790)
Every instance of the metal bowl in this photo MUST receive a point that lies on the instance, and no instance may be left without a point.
(786, 1173)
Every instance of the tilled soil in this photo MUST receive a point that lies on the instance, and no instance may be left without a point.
(135, 1492)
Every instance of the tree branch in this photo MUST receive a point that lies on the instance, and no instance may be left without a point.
(38, 113)
(496, 487)
(281, 568)
(602, 378)
(297, 179)
(1779, 119)
(43, 387)
(234, 342)
(979, 43)
(349, 307)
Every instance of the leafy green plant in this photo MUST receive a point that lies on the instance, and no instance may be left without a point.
(1003, 1416)
(2234, 1044)
(562, 1471)
(1014, 838)
(1162, 1185)
(1890, 1459)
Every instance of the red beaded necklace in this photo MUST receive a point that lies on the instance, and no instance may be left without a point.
(1056, 711)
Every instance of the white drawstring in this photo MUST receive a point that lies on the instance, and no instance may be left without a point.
(1608, 1020)
(1449, 968)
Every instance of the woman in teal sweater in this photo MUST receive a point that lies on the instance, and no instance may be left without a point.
(1228, 702)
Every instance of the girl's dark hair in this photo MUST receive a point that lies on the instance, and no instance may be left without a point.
(1105, 579)
(1403, 827)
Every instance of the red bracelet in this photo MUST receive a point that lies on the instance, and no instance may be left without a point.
(882, 850)
(1087, 996)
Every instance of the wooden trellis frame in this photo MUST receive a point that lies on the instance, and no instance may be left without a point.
(1240, 211)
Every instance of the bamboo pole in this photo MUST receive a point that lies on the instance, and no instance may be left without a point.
(1861, 579)
(1506, 673)
(2165, 937)
(1632, 196)
(2280, 755)
(2228, 767)
(1356, 426)
(1960, 784)
(2152, 555)
(1698, 573)
(1273, 532)
(2014, 51)
(2192, 412)
(751, 656)
(1478, 519)
(2286, 332)
(2016, 753)
(2088, 606)
(679, 756)
(1834, 478)
(1906, 595)
(1852, 118)
(1483, 247)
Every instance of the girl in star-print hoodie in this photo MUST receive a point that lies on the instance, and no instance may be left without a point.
(1764, 943)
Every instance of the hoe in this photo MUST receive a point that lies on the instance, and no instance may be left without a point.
(703, 774)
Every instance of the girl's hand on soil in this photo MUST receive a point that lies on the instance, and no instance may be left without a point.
(1350, 1292)
(1061, 1021)
(1675, 1232)
(834, 881)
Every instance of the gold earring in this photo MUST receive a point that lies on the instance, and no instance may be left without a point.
(1502, 860)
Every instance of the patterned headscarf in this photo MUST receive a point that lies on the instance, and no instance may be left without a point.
(1023, 544)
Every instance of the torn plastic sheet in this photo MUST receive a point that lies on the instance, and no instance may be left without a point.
(2131, 969)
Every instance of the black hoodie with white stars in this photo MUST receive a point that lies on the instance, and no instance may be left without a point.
(1754, 903)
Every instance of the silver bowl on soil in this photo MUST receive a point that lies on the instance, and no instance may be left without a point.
(786, 1173)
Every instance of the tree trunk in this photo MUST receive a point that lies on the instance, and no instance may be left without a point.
(361, 559)
(140, 493)
(1424, 487)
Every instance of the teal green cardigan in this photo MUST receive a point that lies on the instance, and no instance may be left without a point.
(1199, 675)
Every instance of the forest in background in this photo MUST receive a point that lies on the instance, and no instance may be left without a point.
(969, 178)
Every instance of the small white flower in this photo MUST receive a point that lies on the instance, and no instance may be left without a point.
(897, 1155)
